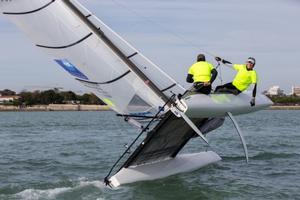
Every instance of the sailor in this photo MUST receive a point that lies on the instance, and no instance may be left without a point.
(245, 76)
(202, 74)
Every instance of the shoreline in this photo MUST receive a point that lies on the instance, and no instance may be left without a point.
(81, 107)
(282, 107)
(55, 107)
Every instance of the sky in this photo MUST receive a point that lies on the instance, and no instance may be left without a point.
(171, 33)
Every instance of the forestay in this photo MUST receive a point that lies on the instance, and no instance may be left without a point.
(83, 53)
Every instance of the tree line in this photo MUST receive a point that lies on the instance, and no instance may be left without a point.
(52, 96)
(285, 100)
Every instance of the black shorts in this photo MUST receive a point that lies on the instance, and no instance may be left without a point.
(200, 88)
(228, 88)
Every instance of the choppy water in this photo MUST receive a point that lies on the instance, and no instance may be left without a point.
(65, 155)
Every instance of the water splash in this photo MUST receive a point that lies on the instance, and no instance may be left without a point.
(33, 194)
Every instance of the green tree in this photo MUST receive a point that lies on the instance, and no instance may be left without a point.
(27, 98)
(69, 96)
(84, 99)
(95, 100)
(54, 97)
(90, 99)
(289, 100)
(50, 96)
(7, 92)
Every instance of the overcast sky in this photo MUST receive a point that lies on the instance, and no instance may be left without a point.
(171, 33)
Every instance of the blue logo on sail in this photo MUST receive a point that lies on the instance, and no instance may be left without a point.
(69, 67)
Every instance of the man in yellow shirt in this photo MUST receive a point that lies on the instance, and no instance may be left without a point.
(245, 76)
(202, 74)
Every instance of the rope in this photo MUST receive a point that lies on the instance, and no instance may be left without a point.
(106, 179)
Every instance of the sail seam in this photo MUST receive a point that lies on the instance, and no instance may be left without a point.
(29, 12)
(65, 46)
(173, 85)
(106, 82)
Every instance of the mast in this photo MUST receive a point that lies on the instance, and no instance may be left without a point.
(132, 66)
(117, 51)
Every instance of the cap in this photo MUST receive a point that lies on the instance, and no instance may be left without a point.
(251, 60)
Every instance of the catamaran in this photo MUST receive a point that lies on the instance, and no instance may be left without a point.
(132, 86)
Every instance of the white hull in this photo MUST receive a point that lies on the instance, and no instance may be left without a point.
(181, 163)
(218, 105)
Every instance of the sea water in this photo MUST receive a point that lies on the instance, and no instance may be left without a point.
(66, 155)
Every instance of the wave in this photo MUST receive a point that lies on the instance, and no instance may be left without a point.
(33, 194)
(83, 182)
(261, 156)
(233, 158)
(36, 194)
(270, 155)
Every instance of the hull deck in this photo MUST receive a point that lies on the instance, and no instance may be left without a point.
(182, 163)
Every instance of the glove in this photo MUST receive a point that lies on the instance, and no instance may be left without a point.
(226, 62)
(218, 59)
(252, 102)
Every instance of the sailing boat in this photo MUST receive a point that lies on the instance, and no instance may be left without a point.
(131, 85)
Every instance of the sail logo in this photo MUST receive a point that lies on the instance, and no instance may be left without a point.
(71, 69)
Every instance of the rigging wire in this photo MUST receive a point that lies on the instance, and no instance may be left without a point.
(175, 35)
(106, 179)
(220, 72)
(196, 47)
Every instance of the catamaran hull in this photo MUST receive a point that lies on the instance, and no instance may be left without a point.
(181, 163)
(218, 105)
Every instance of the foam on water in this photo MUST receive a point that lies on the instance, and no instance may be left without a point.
(33, 194)
(83, 182)
(36, 194)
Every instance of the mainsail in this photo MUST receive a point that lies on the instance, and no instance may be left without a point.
(121, 76)
(93, 54)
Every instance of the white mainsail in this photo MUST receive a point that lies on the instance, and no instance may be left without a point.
(80, 43)
(130, 84)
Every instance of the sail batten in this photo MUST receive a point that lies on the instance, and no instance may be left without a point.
(136, 53)
(89, 15)
(29, 12)
(65, 46)
(133, 67)
(106, 82)
(168, 88)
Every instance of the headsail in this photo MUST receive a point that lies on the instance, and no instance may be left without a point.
(82, 45)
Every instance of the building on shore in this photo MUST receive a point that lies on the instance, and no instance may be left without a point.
(296, 90)
(8, 99)
(275, 91)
